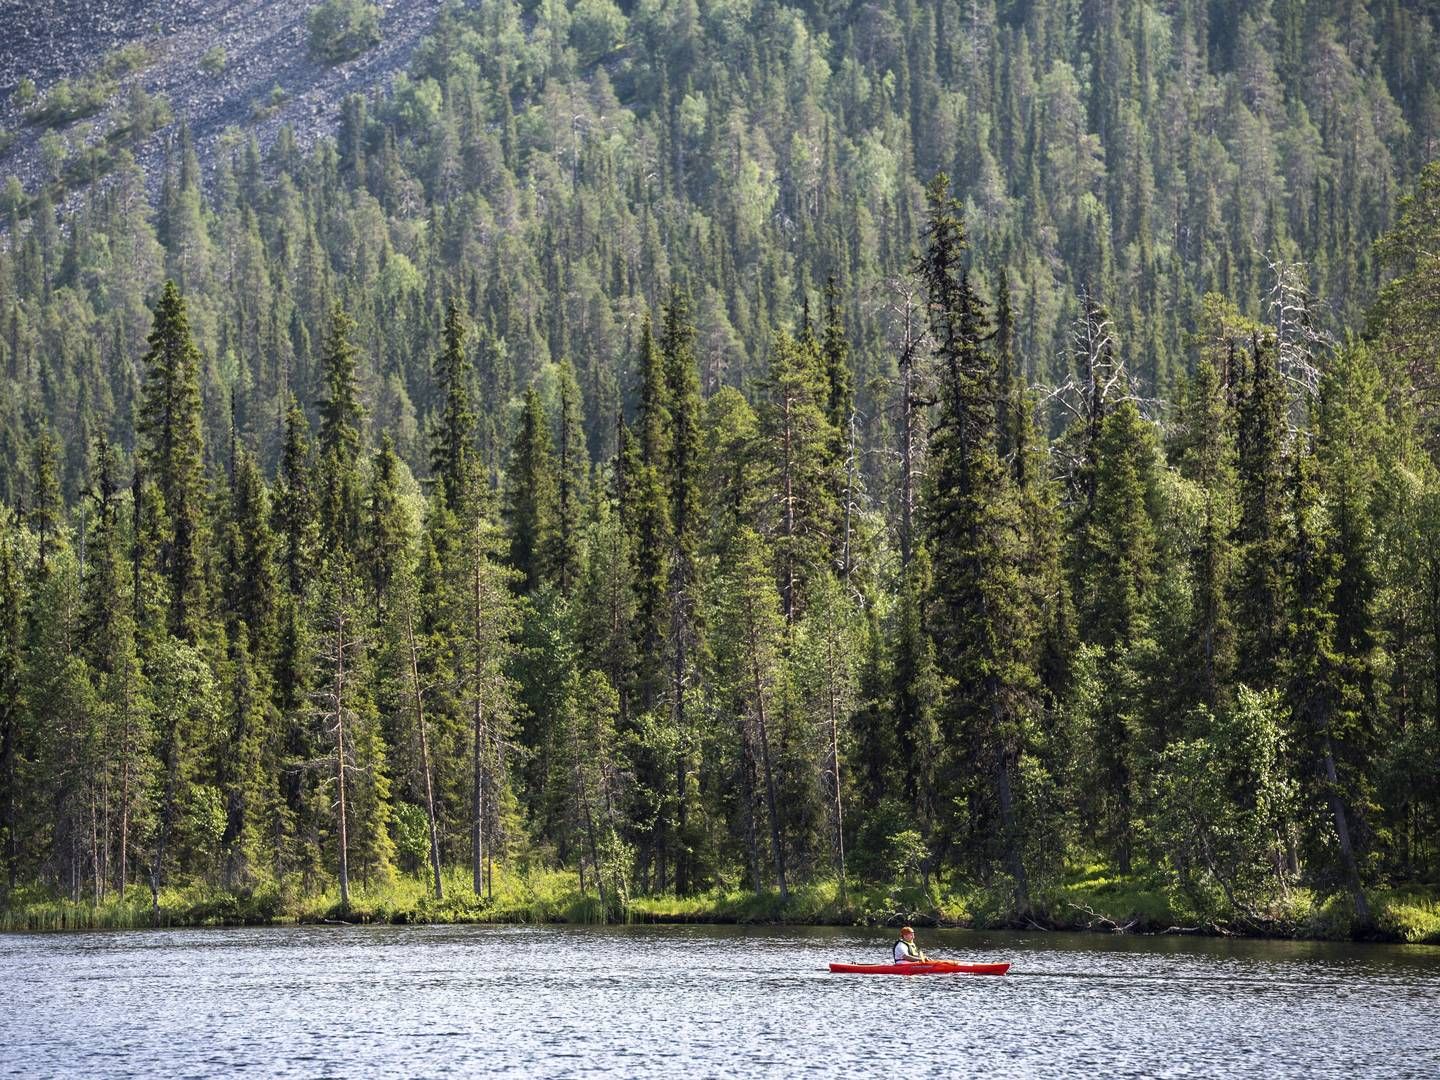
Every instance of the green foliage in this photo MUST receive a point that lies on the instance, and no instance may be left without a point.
(214, 62)
(1222, 808)
(699, 576)
(69, 100)
(341, 30)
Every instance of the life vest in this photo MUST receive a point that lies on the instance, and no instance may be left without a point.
(911, 953)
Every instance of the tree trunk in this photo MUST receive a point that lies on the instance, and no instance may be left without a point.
(772, 803)
(835, 783)
(1342, 831)
(907, 444)
(787, 480)
(341, 645)
(125, 752)
(682, 875)
(752, 840)
(477, 799)
(1013, 856)
(849, 503)
(167, 814)
(424, 751)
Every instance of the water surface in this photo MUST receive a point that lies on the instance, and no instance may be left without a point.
(703, 1001)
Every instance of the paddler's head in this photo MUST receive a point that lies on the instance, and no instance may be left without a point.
(908, 933)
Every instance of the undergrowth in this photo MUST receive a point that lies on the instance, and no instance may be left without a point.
(1090, 897)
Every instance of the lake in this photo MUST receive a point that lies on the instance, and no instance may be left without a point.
(705, 1001)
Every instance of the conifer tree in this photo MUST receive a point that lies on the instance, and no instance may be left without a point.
(1314, 675)
(682, 471)
(979, 619)
(452, 446)
(646, 510)
(1259, 600)
(338, 502)
(571, 479)
(12, 704)
(172, 458)
(799, 446)
(1205, 451)
(293, 504)
(387, 535)
(46, 511)
(530, 495)
(250, 597)
(835, 348)
(748, 646)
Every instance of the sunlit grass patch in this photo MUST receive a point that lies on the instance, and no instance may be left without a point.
(1410, 914)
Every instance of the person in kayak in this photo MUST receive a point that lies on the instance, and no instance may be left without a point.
(905, 951)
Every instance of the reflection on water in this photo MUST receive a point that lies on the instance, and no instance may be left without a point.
(710, 1001)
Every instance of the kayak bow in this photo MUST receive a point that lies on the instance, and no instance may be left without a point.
(928, 967)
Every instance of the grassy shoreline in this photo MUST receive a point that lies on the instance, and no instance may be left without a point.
(1086, 901)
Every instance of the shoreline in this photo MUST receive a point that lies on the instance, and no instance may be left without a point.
(1407, 915)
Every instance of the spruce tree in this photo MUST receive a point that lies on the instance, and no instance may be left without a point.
(339, 498)
(293, 505)
(12, 704)
(46, 509)
(530, 495)
(452, 448)
(646, 512)
(1259, 590)
(572, 471)
(798, 446)
(387, 535)
(171, 459)
(978, 615)
(1206, 455)
(749, 647)
(682, 472)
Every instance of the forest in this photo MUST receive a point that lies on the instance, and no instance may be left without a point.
(921, 455)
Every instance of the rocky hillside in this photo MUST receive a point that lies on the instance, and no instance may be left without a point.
(217, 64)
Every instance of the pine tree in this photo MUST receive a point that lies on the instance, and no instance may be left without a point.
(340, 418)
(1206, 453)
(12, 702)
(571, 480)
(387, 536)
(530, 495)
(293, 504)
(798, 444)
(748, 647)
(341, 700)
(452, 448)
(682, 471)
(1259, 599)
(978, 615)
(172, 459)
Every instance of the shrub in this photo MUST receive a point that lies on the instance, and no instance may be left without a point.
(214, 61)
(341, 30)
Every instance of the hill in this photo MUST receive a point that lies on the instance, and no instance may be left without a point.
(214, 66)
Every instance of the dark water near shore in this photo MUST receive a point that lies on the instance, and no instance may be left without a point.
(703, 1001)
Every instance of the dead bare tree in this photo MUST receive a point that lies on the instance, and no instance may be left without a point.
(903, 309)
(1300, 343)
(1097, 381)
(340, 649)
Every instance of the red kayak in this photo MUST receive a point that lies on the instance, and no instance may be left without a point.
(928, 967)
